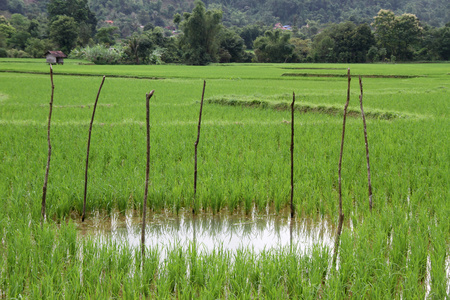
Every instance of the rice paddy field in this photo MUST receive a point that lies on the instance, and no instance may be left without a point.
(400, 250)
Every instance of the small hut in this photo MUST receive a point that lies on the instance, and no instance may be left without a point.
(55, 57)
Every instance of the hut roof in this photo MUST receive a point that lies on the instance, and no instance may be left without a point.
(56, 54)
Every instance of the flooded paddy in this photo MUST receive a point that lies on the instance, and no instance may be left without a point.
(224, 230)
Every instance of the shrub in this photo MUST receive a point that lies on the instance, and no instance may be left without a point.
(14, 53)
(100, 54)
(3, 52)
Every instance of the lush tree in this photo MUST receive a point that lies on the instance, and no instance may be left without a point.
(274, 47)
(146, 45)
(232, 48)
(157, 36)
(107, 35)
(149, 26)
(19, 40)
(250, 32)
(177, 19)
(85, 36)
(132, 48)
(323, 49)
(284, 9)
(64, 31)
(302, 49)
(199, 41)
(19, 22)
(372, 54)
(344, 43)
(443, 42)
(78, 10)
(6, 31)
(171, 53)
(342, 34)
(3, 20)
(139, 47)
(397, 34)
(16, 31)
(34, 28)
(37, 48)
(361, 41)
(16, 6)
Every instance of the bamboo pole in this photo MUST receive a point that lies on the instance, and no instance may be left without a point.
(87, 152)
(196, 146)
(292, 156)
(341, 215)
(147, 171)
(44, 188)
(366, 143)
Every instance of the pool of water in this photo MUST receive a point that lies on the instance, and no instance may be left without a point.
(224, 230)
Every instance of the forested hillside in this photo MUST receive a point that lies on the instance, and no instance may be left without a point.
(143, 31)
(243, 12)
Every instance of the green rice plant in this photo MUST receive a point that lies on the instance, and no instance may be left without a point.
(397, 251)
(438, 260)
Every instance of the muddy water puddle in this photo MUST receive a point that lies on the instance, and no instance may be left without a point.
(224, 230)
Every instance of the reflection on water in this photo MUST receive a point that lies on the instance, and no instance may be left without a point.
(447, 261)
(230, 232)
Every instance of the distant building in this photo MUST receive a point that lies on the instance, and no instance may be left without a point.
(55, 57)
(282, 27)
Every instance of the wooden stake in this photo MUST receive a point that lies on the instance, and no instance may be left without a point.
(196, 145)
(292, 156)
(44, 188)
(147, 171)
(366, 142)
(87, 152)
(341, 215)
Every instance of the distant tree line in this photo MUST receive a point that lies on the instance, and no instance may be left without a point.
(200, 37)
(129, 15)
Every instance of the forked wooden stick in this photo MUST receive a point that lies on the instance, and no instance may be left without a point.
(44, 188)
(87, 152)
(366, 143)
(341, 215)
(147, 171)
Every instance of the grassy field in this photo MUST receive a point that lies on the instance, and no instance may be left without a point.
(400, 250)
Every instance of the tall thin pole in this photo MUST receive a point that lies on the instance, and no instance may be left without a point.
(341, 215)
(196, 146)
(147, 171)
(366, 143)
(87, 152)
(44, 188)
(292, 155)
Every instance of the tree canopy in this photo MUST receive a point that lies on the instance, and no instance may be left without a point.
(397, 34)
(200, 31)
(63, 31)
(273, 47)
